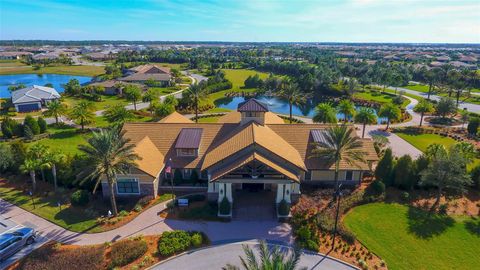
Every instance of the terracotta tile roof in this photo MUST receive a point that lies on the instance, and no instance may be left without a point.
(146, 77)
(281, 139)
(254, 156)
(151, 160)
(234, 117)
(175, 117)
(252, 105)
(247, 135)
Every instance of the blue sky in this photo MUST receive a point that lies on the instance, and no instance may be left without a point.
(245, 20)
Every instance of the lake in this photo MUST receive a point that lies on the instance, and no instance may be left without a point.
(278, 105)
(38, 79)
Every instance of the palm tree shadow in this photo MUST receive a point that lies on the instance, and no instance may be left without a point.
(473, 226)
(426, 225)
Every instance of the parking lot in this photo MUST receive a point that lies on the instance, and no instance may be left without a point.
(6, 225)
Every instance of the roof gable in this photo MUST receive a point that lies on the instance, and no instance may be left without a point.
(175, 117)
(151, 160)
(34, 93)
(252, 105)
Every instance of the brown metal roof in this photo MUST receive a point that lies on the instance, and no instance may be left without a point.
(189, 138)
(252, 105)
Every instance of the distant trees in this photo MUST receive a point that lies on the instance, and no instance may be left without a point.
(195, 93)
(445, 107)
(292, 94)
(423, 107)
(391, 112)
(253, 81)
(83, 113)
(325, 113)
(55, 109)
(73, 87)
(16, 87)
(133, 93)
(365, 116)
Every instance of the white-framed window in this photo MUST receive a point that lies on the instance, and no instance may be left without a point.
(186, 152)
(187, 173)
(349, 175)
(128, 186)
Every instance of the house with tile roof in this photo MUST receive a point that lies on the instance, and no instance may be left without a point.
(32, 98)
(144, 73)
(250, 149)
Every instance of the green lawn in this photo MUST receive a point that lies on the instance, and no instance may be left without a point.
(67, 70)
(378, 97)
(422, 141)
(164, 90)
(238, 76)
(407, 238)
(99, 105)
(210, 119)
(65, 139)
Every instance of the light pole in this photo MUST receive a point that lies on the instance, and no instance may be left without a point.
(33, 201)
(338, 195)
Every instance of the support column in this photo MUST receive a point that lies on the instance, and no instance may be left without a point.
(284, 192)
(225, 190)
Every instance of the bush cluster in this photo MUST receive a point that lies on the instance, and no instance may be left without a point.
(127, 251)
(224, 207)
(178, 241)
(30, 127)
(80, 197)
(283, 208)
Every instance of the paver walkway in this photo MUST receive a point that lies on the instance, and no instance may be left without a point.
(218, 256)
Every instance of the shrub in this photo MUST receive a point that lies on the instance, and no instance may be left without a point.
(173, 242)
(123, 213)
(442, 209)
(42, 124)
(177, 176)
(472, 126)
(32, 124)
(224, 208)
(80, 198)
(404, 173)
(384, 169)
(194, 176)
(27, 132)
(144, 200)
(304, 234)
(283, 208)
(9, 126)
(197, 240)
(311, 245)
(377, 187)
(475, 173)
(405, 196)
(127, 251)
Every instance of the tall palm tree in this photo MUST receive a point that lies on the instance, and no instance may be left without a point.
(83, 113)
(424, 106)
(325, 113)
(196, 92)
(339, 144)
(292, 94)
(52, 158)
(109, 154)
(347, 108)
(118, 114)
(391, 112)
(55, 109)
(30, 165)
(270, 259)
(365, 116)
(151, 96)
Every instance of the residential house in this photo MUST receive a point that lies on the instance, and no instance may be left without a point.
(250, 149)
(13, 55)
(144, 73)
(114, 87)
(32, 98)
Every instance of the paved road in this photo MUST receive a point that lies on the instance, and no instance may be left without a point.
(218, 256)
(469, 106)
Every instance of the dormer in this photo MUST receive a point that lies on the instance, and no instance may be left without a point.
(252, 110)
(188, 142)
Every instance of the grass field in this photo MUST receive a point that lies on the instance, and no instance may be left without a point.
(408, 238)
(238, 76)
(378, 97)
(64, 139)
(106, 102)
(67, 70)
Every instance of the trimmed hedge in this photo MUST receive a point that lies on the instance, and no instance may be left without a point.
(173, 242)
(80, 198)
(224, 207)
(127, 251)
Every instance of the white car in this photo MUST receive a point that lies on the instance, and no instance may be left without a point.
(14, 240)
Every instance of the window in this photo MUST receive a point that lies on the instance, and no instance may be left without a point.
(187, 173)
(186, 152)
(128, 186)
(349, 175)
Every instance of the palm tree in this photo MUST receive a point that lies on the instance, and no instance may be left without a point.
(424, 106)
(118, 114)
(151, 96)
(325, 113)
(109, 154)
(133, 93)
(347, 108)
(83, 113)
(292, 94)
(196, 92)
(340, 144)
(55, 109)
(52, 158)
(365, 116)
(271, 258)
(30, 165)
(391, 112)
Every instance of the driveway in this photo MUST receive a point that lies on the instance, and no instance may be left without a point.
(219, 255)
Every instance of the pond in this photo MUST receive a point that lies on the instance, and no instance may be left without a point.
(38, 79)
(279, 105)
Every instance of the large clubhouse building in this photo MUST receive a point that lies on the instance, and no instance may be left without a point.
(250, 149)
